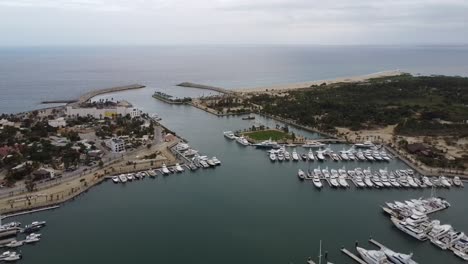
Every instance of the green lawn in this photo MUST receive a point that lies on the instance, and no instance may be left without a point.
(267, 134)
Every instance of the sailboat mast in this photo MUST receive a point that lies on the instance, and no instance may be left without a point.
(320, 253)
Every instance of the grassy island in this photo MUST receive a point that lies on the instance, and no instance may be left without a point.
(276, 135)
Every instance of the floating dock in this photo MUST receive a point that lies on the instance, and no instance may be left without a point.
(352, 256)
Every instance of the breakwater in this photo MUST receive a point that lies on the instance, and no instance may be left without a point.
(206, 87)
(87, 96)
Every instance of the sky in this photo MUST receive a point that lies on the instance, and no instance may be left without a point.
(180, 22)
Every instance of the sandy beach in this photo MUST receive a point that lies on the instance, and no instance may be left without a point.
(292, 86)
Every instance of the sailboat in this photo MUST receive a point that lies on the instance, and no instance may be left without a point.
(310, 261)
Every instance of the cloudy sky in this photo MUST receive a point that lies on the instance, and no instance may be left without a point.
(150, 22)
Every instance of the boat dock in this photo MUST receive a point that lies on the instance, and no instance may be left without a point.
(31, 211)
(352, 256)
(372, 241)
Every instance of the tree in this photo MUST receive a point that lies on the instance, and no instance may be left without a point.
(101, 164)
(30, 185)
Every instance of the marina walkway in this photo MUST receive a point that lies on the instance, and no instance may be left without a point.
(206, 87)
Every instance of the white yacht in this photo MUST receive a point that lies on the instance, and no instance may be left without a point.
(344, 155)
(229, 134)
(342, 181)
(445, 182)
(14, 244)
(123, 178)
(461, 254)
(398, 258)
(365, 144)
(115, 179)
(415, 232)
(287, 156)
(411, 182)
(295, 157)
(310, 155)
(439, 231)
(182, 147)
(130, 177)
(457, 182)
(426, 181)
(316, 181)
(280, 156)
(313, 144)
(272, 156)
(360, 183)
(32, 238)
(267, 144)
(13, 256)
(216, 161)
(320, 155)
(376, 181)
(243, 141)
(164, 169)
(373, 256)
(179, 168)
(368, 181)
(301, 174)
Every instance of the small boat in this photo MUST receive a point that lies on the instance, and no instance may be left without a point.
(372, 256)
(179, 168)
(280, 156)
(171, 169)
(13, 256)
(14, 244)
(295, 157)
(457, 182)
(123, 178)
(250, 117)
(211, 162)
(152, 173)
(342, 181)
(216, 161)
(316, 181)
(272, 156)
(34, 226)
(304, 157)
(165, 170)
(267, 144)
(365, 144)
(313, 144)
(243, 141)
(229, 135)
(320, 156)
(115, 179)
(130, 177)
(445, 182)
(287, 156)
(461, 254)
(32, 239)
(301, 174)
(310, 155)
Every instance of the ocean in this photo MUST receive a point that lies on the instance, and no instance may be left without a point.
(31, 75)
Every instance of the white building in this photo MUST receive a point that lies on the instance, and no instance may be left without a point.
(59, 122)
(4, 122)
(117, 145)
(100, 113)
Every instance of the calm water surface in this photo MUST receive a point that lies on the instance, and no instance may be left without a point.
(249, 210)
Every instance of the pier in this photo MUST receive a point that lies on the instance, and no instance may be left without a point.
(206, 87)
(352, 256)
(31, 211)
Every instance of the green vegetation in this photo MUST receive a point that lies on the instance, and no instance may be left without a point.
(378, 102)
(267, 134)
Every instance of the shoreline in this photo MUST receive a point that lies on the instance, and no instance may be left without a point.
(303, 85)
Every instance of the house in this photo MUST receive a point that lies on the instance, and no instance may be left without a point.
(44, 173)
(59, 122)
(116, 145)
